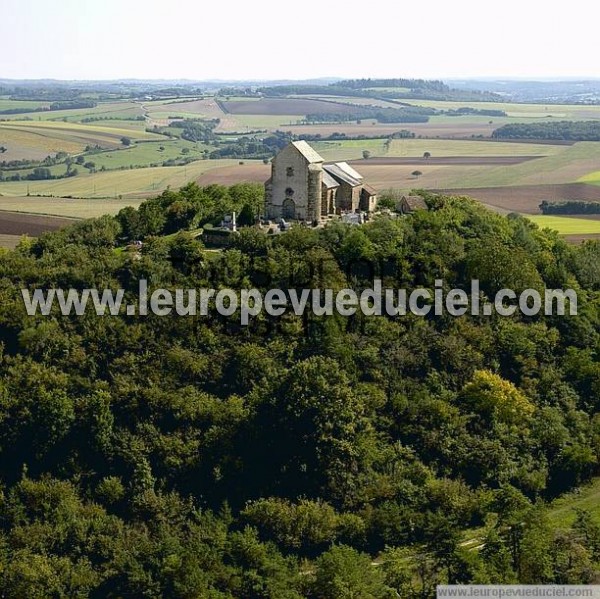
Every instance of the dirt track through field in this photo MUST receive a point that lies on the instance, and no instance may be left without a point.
(16, 223)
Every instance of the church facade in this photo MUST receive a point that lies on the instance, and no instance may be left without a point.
(303, 187)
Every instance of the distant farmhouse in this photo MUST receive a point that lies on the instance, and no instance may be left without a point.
(302, 187)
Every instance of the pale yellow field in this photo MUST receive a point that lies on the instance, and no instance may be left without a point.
(449, 147)
(24, 144)
(138, 182)
(76, 208)
(9, 241)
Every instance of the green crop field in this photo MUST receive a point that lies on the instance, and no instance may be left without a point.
(6, 104)
(146, 153)
(111, 184)
(593, 178)
(533, 111)
(567, 225)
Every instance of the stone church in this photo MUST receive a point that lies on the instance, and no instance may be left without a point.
(303, 187)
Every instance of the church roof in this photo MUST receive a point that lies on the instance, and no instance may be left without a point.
(307, 151)
(329, 181)
(348, 169)
(341, 175)
(369, 189)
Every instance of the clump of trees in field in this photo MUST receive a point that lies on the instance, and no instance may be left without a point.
(570, 207)
(467, 110)
(409, 114)
(197, 129)
(164, 456)
(554, 130)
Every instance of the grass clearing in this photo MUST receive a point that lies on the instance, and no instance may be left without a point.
(562, 510)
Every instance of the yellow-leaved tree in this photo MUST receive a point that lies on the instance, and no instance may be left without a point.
(494, 397)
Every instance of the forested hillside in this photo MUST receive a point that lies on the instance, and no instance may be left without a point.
(315, 457)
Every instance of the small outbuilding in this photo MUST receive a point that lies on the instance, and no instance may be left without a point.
(410, 204)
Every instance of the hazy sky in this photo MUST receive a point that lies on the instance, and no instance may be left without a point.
(254, 39)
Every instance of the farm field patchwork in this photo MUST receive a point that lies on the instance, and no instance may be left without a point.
(37, 139)
(500, 174)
